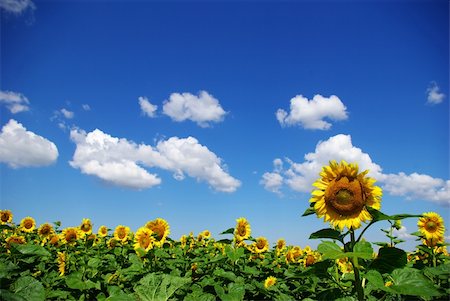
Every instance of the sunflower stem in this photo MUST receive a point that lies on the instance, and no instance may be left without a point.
(358, 286)
(362, 232)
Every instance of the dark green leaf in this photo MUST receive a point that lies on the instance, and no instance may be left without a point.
(228, 231)
(309, 211)
(326, 233)
(29, 289)
(363, 249)
(388, 259)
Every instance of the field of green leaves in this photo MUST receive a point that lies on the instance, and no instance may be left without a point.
(76, 263)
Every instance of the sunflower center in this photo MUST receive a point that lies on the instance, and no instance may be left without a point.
(71, 236)
(260, 244)
(85, 227)
(45, 230)
(145, 242)
(241, 230)
(121, 233)
(431, 226)
(28, 224)
(345, 196)
(4, 217)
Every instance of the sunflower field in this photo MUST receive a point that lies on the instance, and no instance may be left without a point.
(47, 262)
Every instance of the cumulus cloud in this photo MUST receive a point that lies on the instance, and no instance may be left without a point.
(67, 114)
(121, 162)
(16, 6)
(402, 233)
(310, 114)
(146, 107)
(86, 107)
(300, 176)
(15, 102)
(201, 109)
(22, 148)
(434, 96)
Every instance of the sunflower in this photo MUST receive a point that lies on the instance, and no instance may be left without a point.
(121, 233)
(431, 225)
(6, 216)
(70, 235)
(86, 226)
(270, 281)
(45, 230)
(62, 259)
(27, 224)
(144, 239)
(53, 240)
(161, 229)
(15, 239)
(183, 241)
(281, 245)
(102, 231)
(260, 245)
(242, 230)
(294, 254)
(112, 242)
(343, 195)
(206, 234)
(344, 265)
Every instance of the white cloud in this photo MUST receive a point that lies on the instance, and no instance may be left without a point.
(67, 114)
(433, 95)
(15, 102)
(146, 107)
(22, 148)
(300, 176)
(17, 6)
(201, 109)
(310, 114)
(272, 181)
(402, 233)
(86, 107)
(121, 162)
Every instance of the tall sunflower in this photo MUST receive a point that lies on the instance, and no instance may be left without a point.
(70, 235)
(431, 225)
(6, 216)
(144, 239)
(160, 228)
(102, 231)
(260, 245)
(86, 226)
(343, 195)
(27, 224)
(242, 230)
(121, 233)
(45, 230)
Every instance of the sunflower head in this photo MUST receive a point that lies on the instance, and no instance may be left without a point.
(144, 239)
(45, 230)
(431, 225)
(270, 281)
(102, 231)
(86, 226)
(15, 239)
(27, 224)
(160, 228)
(6, 216)
(121, 233)
(242, 230)
(343, 195)
(70, 235)
(61, 259)
(293, 254)
(260, 245)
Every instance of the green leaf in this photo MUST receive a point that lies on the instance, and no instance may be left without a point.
(32, 250)
(236, 292)
(199, 296)
(326, 233)
(29, 289)
(309, 211)
(75, 281)
(6, 268)
(409, 281)
(330, 250)
(10, 296)
(376, 280)
(228, 231)
(155, 287)
(388, 259)
(380, 216)
(363, 249)
(225, 274)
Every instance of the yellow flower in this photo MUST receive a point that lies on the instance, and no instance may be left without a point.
(112, 242)
(102, 231)
(183, 241)
(293, 254)
(86, 226)
(344, 265)
(270, 281)
(260, 245)
(27, 224)
(62, 258)
(206, 234)
(343, 195)
(6, 216)
(144, 239)
(45, 230)
(431, 225)
(121, 233)
(281, 245)
(15, 239)
(70, 235)
(53, 240)
(242, 230)
(161, 229)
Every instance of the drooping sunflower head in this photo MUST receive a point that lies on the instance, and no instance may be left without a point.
(61, 259)
(45, 230)
(144, 239)
(260, 245)
(121, 233)
(6, 216)
(160, 228)
(27, 224)
(70, 235)
(270, 281)
(343, 195)
(102, 231)
(86, 226)
(242, 230)
(281, 244)
(15, 239)
(54, 239)
(431, 225)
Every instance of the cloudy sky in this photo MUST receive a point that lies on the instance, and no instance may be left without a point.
(204, 112)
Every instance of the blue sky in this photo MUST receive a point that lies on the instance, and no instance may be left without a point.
(203, 112)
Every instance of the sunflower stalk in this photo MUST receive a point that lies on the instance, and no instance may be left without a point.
(358, 284)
